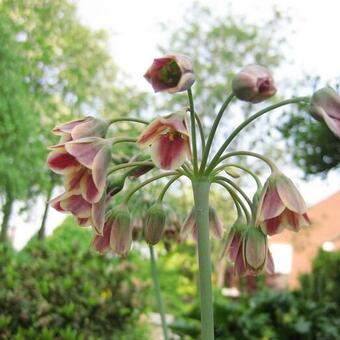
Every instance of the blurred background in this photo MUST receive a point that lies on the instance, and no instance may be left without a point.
(63, 59)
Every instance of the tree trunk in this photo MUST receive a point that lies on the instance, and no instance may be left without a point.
(42, 229)
(7, 210)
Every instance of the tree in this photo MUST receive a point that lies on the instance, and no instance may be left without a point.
(66, 72)
(315, 149)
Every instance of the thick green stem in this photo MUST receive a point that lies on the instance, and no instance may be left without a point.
(193, 131)
(201, 198)
(245, 123)
(213, 131)
(158, 295)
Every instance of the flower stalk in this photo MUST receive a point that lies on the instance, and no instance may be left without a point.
(201, 189)
(158, 295)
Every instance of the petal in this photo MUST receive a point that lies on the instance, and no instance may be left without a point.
(85, 149)
(271, 205)
(215, 225)
(88, 189)
(99, 168)
(188, 224)
(56, 202)
(72, 179)
(61, 162)
(67, 127)
(150, 133)
(170, 151)
(77, 206)
(235, 244)
(98, 214)
(84, 222)
(273, 225)
(328, 101)
(289, 195)
(89, 128)
(270, 267)
(240, 266)
(332, 123)
(174, 122)
(102, 242)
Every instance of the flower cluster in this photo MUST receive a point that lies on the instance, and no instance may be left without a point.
(83, 156)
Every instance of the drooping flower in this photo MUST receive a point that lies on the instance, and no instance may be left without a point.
(234, 240)
(81, 128)
(190, 225)
(281, 206)
(154, 224)
(169, 140)
(117, 232)
(254, 83)
(171, 73)
(94, 153)
(253, 256)
(325, 105)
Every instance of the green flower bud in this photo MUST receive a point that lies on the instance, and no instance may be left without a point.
(154, 224)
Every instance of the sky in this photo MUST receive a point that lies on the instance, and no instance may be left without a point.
(134, 32)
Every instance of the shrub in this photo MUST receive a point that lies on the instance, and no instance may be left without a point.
(61, 289)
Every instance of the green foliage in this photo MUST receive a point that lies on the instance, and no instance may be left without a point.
(313, 146)
(62, 289)
(322, 284)
(311, 312)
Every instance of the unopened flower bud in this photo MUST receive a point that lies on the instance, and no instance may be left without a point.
(117, 232)
(171, 73)
(253, 84)
(325, 105)
(154, 224)
(231, 171)
(255, 250)
(234, 240)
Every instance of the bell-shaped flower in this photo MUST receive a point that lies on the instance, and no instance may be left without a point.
(95, 154)
(253, 256)
(254, 83)
(234, 240)
(73, 202)
(190, 226)
(281, 206)
(325, 105)
(171, 73)
(117, 232)
(169, 140)
(154, 224)
(81, 128)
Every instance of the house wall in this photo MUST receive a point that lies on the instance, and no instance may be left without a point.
(325, 218)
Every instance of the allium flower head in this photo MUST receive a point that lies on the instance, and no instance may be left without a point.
(171, 73)
(254, 83)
